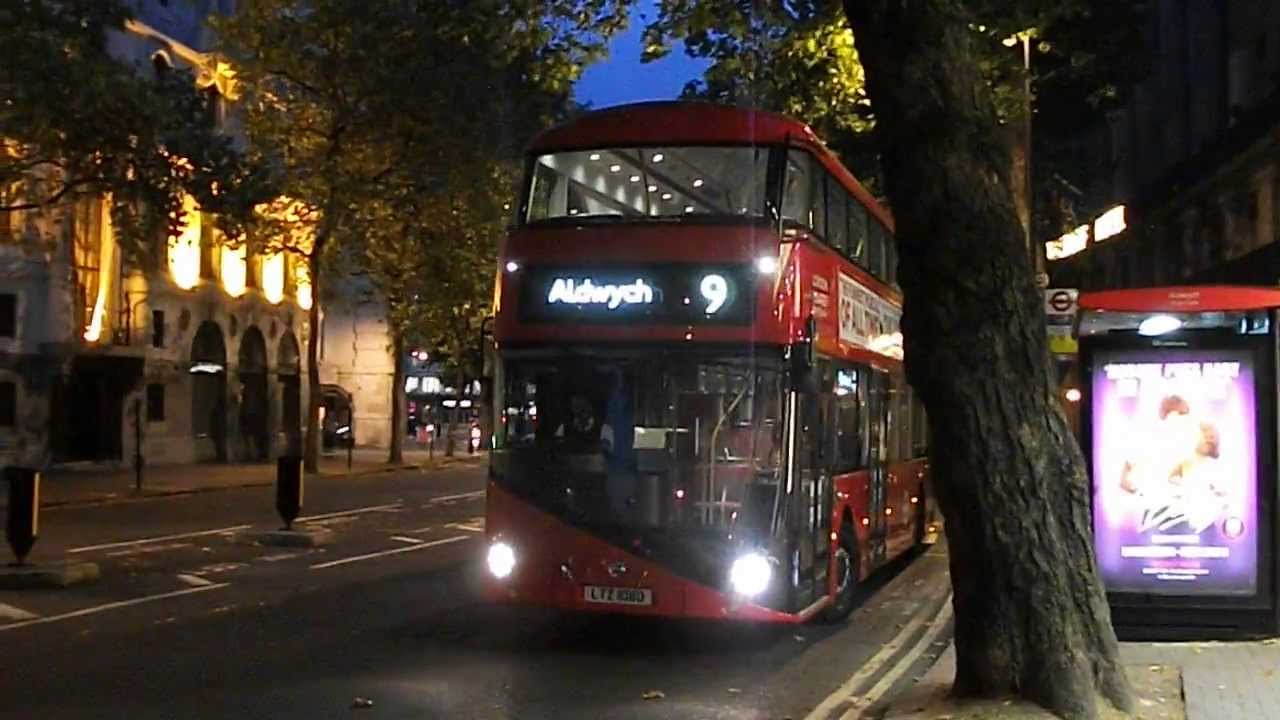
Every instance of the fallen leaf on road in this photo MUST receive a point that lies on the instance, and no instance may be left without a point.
(361, 703)
(654, 695)
(799, 638)
(1268, 673)
(735, 690)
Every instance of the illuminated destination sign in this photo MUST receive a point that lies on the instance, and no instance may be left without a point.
(684, 294)
(586, 292)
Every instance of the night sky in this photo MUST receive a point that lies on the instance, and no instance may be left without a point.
(622, 79)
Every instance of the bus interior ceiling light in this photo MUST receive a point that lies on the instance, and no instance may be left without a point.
(205, 368)
(1158, 325)
(501, 560)
(750, 574)
(767, 265)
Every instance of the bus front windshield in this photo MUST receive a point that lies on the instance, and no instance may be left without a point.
(695, 182)
(659, 441)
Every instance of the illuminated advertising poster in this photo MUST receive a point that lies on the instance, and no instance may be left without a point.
(1175, 471)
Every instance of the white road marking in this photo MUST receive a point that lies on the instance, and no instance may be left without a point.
(903, 665)
(451, 498)
(871, 666)
(278, 557)
(475, 525)
(194, 580)
(393, 551)
(389, 507)
(144, 549)
(218, 567)
(402, 538)
(162, 538)
(111, 606)
(10, 612)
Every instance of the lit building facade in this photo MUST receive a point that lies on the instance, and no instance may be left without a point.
(200, 355)
(1194, 158)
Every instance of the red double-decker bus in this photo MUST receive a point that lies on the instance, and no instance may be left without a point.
(700, 405)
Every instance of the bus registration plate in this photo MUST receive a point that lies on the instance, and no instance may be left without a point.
(617, 596)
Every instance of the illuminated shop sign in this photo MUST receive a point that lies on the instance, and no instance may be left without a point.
(1175, 475)
(684, 294)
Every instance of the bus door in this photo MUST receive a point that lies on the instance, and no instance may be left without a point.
(877, 465)
(813, 497)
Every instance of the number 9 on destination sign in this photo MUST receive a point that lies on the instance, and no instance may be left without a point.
(715, 290)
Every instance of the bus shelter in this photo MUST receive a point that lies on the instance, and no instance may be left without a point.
(1179, 428)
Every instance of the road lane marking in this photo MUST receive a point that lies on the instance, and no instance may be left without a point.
(451, 498)
(162, 538)
(11, 612)
(144, 549)
(475, 525)
(111, 606)
(278, 557)
(389, 507)
(904, 664)
(393, 551)
(411, 541)
(873, 664)
(194, 580)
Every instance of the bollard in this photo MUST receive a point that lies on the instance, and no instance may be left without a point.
(23, 522)
(289, 488)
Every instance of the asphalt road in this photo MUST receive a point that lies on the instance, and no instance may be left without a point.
(186, 625)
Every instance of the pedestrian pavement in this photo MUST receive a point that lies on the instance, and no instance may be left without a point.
(1220, 680)
(88, 484)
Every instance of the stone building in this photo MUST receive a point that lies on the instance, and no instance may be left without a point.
(199, 356)
(1194, 157)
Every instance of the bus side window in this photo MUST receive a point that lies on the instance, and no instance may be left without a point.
(902, 434)
(875, 247)
(851, 393)
(857, 233)
(837, 223)
(919, 431)
(818, 199)
(797, 200)
(890, 260)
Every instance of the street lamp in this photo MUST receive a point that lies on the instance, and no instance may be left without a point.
(1024, 37)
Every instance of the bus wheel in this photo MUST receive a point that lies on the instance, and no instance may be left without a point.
(846, 569)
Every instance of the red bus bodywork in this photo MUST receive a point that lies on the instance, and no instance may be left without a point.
(808, 283)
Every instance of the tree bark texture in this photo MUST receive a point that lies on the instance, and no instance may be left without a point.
(311, 451)
(1031, 616)
(396, 454)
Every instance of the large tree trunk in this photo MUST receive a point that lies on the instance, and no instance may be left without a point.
(1031, 616)
(311, 451)
(396, 455)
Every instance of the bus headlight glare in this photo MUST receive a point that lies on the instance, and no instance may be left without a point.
(750, 574)
(501, 559)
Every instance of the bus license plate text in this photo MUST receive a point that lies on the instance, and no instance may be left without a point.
(617, 596)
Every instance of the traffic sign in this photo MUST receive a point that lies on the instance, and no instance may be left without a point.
(1060, 301)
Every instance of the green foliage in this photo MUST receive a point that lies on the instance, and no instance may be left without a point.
(79, 122)
(798, 58)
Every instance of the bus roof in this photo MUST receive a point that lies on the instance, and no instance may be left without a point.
(685, 122)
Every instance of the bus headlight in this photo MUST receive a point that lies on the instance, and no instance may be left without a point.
(750, 574)
(501, 559)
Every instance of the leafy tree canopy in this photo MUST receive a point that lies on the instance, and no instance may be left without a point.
(798, 58)
(77, 121)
